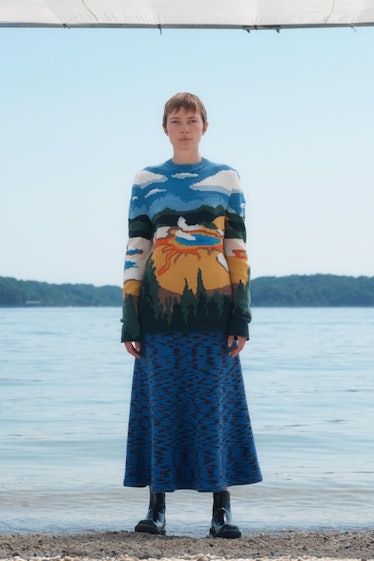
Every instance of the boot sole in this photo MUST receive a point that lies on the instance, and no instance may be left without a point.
(147, 527)
(227, 533)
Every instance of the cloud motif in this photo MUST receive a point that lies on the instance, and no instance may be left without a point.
(184, 175)
(145, 178)
(162, 232)
(154, 192)
(182, 224)
(235, 210)
(185, 236)
(225, 181)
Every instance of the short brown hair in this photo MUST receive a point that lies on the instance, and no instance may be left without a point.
(188, 101)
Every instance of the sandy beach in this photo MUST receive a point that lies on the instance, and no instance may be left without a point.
(129, 546)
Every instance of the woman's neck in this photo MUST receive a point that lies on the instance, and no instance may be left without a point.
(186, 158)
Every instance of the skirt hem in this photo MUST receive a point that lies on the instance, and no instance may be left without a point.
(190, 487)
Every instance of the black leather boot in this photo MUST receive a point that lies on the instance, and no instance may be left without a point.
(221, 521)
(154, 523)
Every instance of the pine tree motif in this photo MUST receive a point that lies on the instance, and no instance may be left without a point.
(201, 307)
(188, 302)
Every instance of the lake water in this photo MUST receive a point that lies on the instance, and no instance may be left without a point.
(64, 398)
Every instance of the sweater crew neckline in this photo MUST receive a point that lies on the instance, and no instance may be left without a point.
(186, 167)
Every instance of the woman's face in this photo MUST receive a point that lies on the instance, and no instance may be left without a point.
(185, 129)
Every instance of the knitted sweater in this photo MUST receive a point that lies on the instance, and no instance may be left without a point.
(186, 268)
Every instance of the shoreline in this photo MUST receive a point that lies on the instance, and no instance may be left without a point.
(131, 546)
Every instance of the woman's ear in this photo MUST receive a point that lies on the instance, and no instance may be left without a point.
(165, 130)
(205, 127)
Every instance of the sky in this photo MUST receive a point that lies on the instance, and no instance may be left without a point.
(81, 113)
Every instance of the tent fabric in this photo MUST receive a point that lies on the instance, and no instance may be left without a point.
(247, 14)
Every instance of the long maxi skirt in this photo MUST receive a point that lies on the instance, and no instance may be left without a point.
(189, 426)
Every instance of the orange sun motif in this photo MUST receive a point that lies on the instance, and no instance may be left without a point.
(179, 243)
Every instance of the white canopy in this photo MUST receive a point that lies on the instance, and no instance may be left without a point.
(246, 14)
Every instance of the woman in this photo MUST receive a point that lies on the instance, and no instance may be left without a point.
(185, 320)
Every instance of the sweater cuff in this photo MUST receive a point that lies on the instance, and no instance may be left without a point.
(133, 334)
(239, 327)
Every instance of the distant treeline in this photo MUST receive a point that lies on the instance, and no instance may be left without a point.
(289, 291)
(18, 293)
(313, 290)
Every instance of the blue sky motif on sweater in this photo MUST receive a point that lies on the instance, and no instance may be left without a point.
(149, 197)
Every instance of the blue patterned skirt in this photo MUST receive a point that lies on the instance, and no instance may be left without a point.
(189, 426)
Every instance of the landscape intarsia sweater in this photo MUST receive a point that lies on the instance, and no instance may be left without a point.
(186, 267)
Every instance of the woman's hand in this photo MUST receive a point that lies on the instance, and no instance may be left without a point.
(133, 347)
(241, 341)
